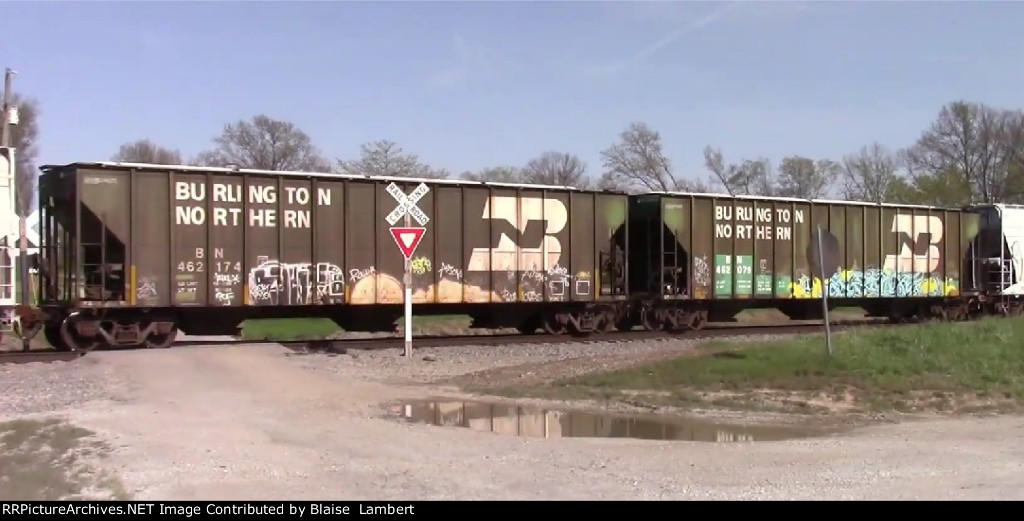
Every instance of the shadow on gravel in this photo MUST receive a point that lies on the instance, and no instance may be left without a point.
(44, 460)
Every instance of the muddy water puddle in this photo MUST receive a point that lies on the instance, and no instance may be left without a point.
(526, 421)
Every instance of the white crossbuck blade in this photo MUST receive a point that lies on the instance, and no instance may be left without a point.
(407, 204)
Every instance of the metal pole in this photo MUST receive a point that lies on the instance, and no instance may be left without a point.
(5, 137)
(408, 300)
(824, 294)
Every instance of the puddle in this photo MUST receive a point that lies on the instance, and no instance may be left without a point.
(517, 420)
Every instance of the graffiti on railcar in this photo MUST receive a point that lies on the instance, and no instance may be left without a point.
(770, 248)
(915, 269)
(528, 237)
(273, 282)
(231, 232)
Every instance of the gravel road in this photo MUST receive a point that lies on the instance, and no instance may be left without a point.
(258, 422)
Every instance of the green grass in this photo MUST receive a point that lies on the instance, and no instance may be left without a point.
(318, 328)
(774, 316)
(887, 368)
(288, 329)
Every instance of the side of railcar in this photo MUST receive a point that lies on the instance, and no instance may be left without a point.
(997, 259)
(525, 256)
(700, 257)
(137, 252)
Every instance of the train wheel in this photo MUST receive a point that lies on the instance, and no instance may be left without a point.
(529, 326)
(624, 325)
(551, 326)
(72, 339)
(523, 329)
(699, 320)
(650, 320)
(54, 338)
(162, 341)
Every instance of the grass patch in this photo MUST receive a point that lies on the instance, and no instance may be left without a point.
(973, 365)
(271, 329)
(45, 460)
(288, 329)
(774, 316)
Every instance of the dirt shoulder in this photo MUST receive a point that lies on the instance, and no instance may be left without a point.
(257, 422)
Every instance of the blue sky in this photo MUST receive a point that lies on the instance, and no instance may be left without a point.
(466, 85)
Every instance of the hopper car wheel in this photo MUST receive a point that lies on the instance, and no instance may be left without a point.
(607, 326)
(162, 341)
(551, 326)
(649, 319)
(624, 325)
(73, 340)
(54, 338)
(529, 326)
(699, 320)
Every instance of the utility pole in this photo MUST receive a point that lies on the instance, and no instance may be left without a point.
(5, 140)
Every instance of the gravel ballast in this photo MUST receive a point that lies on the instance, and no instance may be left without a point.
(258, 422)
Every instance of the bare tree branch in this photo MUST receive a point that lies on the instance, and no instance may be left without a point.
(498, 174)
(967, 139)
(385, 158)
(637, 161)
(751, 177)
(871, 174)
(25, 140)
(805, 178)
(267, 144)
(556, 168)
(145, 151)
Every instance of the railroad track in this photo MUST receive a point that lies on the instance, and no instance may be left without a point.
(343, 345)
(398, 342)
(38, 355)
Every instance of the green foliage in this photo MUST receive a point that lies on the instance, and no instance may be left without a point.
(881, 366)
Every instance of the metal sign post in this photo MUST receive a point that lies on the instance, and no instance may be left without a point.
(408, 298)
(408, 238)
(824, 293)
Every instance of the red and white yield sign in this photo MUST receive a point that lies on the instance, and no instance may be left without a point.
(407, 238)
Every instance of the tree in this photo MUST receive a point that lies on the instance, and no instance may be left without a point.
(497, 174)
(638, 162)
(973, 142)
(751, 177)
(385, 158)
(265, 144)
(145, 151)
(873, 174)
(24, 138)
(805, 178)
(556, 168)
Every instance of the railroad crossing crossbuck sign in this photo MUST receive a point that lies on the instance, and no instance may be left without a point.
(407, 238)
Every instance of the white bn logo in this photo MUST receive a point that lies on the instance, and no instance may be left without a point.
(519, 211)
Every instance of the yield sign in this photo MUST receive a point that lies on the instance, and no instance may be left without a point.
(408, 239)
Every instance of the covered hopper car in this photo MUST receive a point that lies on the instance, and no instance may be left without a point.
(695, 258)
(131, 254)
